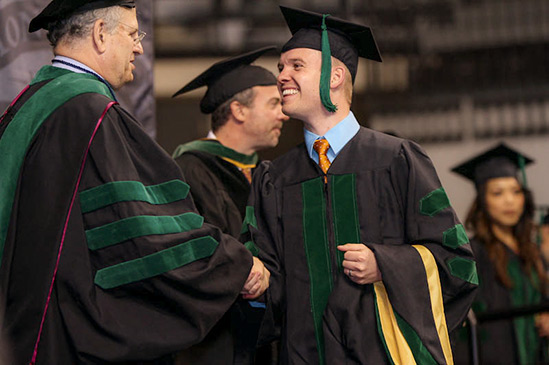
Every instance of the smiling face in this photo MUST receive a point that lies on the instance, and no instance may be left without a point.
(122, 50)
(298, 83)
(504, 199)
(264, 117)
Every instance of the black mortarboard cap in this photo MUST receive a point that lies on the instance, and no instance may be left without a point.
(348, 41)
(500, 161)
(228, 77)
(62, 9)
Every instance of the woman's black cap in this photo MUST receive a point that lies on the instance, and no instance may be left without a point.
(500, 161)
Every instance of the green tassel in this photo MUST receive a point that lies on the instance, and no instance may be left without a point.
(326, 69)
(521, 164)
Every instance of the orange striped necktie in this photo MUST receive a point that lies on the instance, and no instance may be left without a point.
(321, 147)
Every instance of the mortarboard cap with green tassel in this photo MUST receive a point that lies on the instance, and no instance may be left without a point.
(332, 36)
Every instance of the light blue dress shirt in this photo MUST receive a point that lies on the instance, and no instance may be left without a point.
(338, 136)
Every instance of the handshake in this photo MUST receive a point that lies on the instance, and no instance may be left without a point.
(257, 282)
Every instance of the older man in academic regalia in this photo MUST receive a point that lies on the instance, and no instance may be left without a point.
(104, 257)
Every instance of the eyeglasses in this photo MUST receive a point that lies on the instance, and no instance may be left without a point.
(140, 34)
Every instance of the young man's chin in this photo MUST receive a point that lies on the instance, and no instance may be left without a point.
(288, 111)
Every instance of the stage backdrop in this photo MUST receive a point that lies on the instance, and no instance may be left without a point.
(23, 53)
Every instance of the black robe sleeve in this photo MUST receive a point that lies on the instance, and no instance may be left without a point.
(430, 221)
(210, 194)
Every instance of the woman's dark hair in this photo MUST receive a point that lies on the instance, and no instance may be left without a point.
(479, 221)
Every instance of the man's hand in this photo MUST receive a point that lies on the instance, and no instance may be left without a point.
(257, 282)
(359, 263)
(542, 324)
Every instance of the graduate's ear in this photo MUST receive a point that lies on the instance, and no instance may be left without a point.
(99, 35)
(239, 111)
(338, 76)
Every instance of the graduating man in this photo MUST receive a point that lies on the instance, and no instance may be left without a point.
(368, 262)
(244, 102)
(104, 256)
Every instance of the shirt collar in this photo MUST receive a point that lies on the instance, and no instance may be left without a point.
(338, 136)
(75, 66)
(72, 61)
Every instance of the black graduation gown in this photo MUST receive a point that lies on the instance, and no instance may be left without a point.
(499, 341)
(381, 191)
(140, 275)
(220, 192)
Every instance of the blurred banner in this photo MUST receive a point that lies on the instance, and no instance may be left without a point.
(23, 53)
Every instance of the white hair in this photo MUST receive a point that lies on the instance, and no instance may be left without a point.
(80, 25)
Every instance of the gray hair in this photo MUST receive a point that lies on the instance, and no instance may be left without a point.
(80, 25)
(222, 112)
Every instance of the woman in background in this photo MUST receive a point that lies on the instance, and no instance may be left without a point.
(509, 263)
